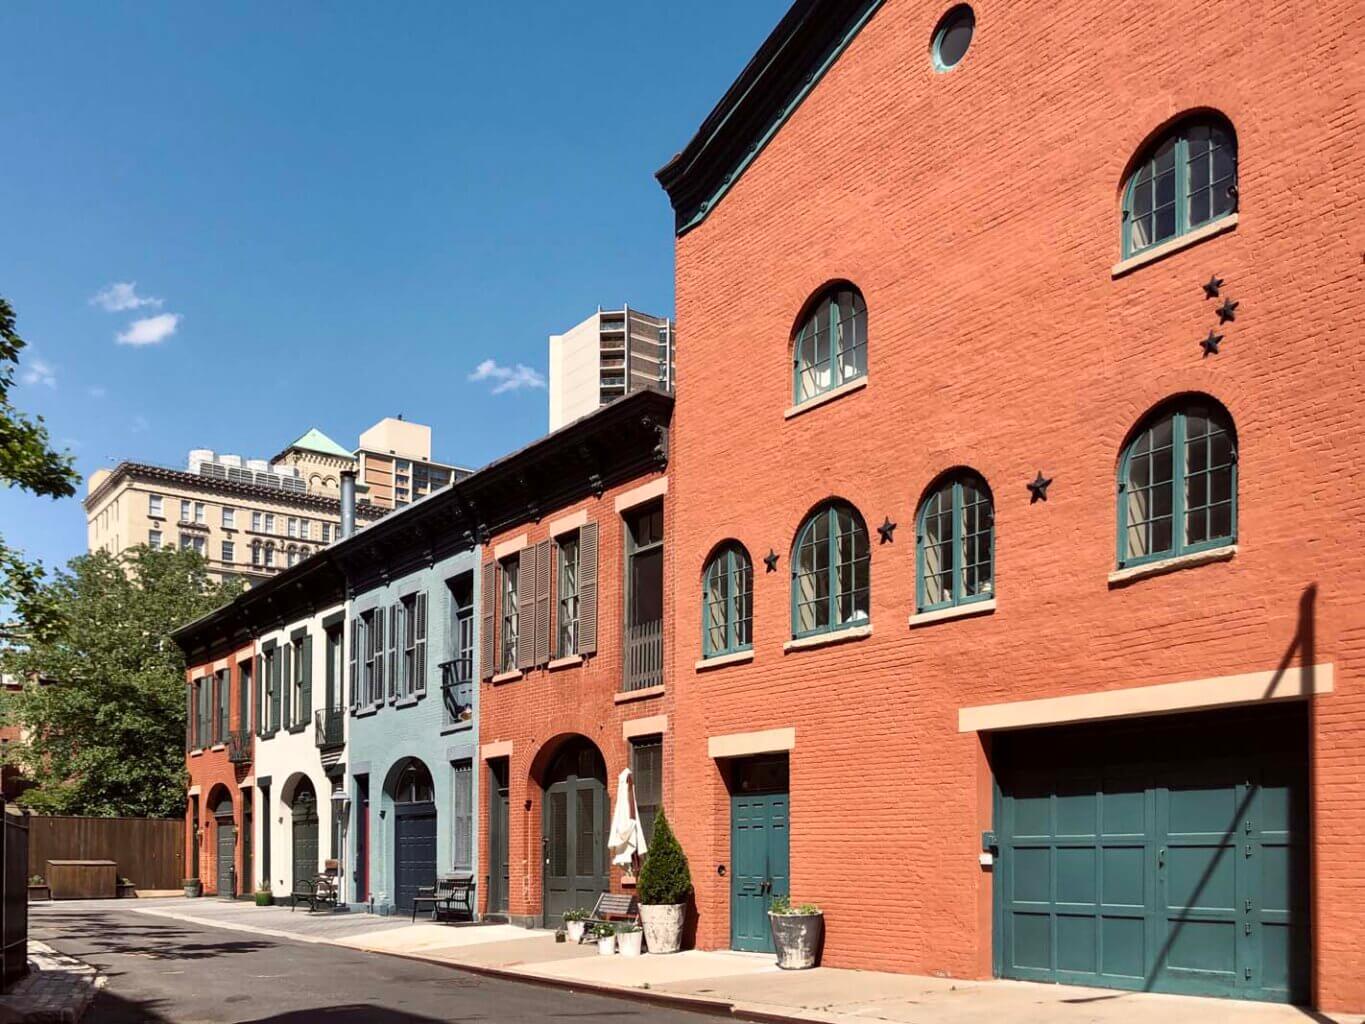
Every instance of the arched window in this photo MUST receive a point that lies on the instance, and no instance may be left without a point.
(1186, 178)
(1178, 483)
(727, 600)
(830, 346)
(414, 785)
(830, 570)
(955, 544)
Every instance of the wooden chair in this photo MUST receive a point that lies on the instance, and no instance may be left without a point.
(613, 908)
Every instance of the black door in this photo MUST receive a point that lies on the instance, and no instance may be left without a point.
(226, 852)
(305, 845)
(497, 837)
(414, 851)
(247, 883)
(574, 830)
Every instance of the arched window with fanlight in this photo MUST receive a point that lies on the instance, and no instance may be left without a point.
(1185, 179)
(1178, 483)
(727, 612)
(831, 564)
(829, 348)
(955, 543)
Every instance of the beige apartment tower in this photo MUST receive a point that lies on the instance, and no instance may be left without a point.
(612, 353)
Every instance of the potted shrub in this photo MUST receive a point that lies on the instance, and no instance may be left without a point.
(797, 933)
(575, 920)
(605, 934)
(38, 889)
(629, 939)
(193, 887)
(663, 889)
(263, 896)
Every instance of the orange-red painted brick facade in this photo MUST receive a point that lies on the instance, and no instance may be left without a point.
(544, 707)
(978, 212)
(213, 777)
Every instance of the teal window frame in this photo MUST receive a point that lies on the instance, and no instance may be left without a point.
(956, 513)
(845, 344)
(729, 568)
(1179, 414)
(1145, 174)
(833, 594)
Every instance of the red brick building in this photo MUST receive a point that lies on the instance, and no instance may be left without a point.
(574, 683)
(1104, 731)
(218, 742)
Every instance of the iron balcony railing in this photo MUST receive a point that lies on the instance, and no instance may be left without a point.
(329, 726)
(644, 655)
(457, 689)
(239, 746)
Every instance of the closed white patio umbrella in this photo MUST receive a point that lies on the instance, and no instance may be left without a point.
(627, 838)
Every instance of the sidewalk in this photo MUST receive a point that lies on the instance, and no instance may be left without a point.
(744, 985)
(57, 990)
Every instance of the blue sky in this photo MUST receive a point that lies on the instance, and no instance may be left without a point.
(331, 212)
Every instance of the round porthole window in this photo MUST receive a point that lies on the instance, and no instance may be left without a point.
(953, 36)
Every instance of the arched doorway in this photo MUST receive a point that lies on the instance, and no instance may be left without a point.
(305, 831)
(414, 832)
(574, 829)
(225, 840)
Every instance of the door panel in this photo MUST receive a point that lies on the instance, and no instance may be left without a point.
(759, 851)
(574, 841)
(414, 851)
(1160, 856)
(227, 849)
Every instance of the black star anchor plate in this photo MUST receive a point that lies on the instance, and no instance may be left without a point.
(886, 530)
(1227, 311)
(1210, 344)
(1211, 289)
(770, 560)
(1038, 488)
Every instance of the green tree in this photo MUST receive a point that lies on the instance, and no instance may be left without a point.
(105, 709)
(665, 878)
(27, 461)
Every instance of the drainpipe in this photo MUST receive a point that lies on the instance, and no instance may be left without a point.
(347, 503)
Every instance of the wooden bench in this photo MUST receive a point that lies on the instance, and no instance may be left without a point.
(317, 892)
(450, 893)
(613, 908)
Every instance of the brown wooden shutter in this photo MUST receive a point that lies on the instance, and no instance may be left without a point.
(542, 636)
(189, 717)
(587, 589)
(526, 607)
(419, 657)
(488, 581)
(262, 688)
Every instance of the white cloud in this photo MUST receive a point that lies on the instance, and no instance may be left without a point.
(96, 391)
(508, 378)
(150, 330)
(122, 295)
(38, 372)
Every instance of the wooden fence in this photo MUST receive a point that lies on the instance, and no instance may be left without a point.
(150, 852)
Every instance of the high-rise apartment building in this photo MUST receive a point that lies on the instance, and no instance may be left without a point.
(395, 465)
(612, 353)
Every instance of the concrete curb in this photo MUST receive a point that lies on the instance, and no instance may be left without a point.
(57, 990)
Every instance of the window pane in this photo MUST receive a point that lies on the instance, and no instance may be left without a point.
(586, 847)
(977, 534)
(938, 547)
(812, 576)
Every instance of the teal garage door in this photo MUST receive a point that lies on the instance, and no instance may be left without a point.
(1159, 855)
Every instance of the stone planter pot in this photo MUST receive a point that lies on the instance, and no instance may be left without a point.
(629, 943)
(39, 893)
(606, 945)
(127, 891)
(574, 930)
(663, 926)
(193, 888)
(797, 939)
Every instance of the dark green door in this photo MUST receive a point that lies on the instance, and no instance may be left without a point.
(497, 837)
(414, 845)
(759, 850)
(305, 833)
(574, 831)
(1168, 856)
(225, 855)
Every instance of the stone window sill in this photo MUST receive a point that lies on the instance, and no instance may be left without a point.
(1184, 241)
(407, 702)
(838, 636)
(453, 727)
(825, 397)
(365, 711)
(1165, 565)
(568, 661)
(506, 677)
(197, 753)
(218, 746)
(721, 660)
(294, 730)
(957, 611)
(644, 693)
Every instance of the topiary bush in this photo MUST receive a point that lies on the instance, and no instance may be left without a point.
(665, 878)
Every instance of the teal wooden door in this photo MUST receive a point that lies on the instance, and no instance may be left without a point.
(1170, 872)
(759, 854)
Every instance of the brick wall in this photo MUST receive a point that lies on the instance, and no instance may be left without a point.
(543, 708)
(978, 212)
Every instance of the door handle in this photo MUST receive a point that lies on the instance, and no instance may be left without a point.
(1161, 859)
